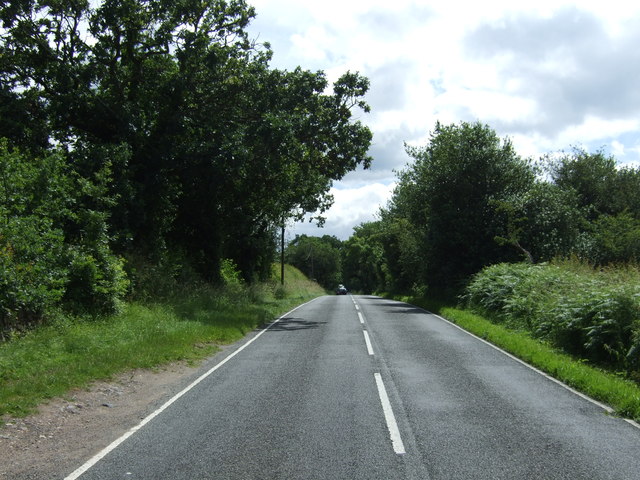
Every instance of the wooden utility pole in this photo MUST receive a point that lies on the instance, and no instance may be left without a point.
(282, 254)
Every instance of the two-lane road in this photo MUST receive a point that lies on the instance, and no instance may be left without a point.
(472, 412)
(365, 388)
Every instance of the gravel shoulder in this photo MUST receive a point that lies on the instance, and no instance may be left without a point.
(68, 431)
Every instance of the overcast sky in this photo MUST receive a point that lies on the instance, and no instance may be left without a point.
(549, 75)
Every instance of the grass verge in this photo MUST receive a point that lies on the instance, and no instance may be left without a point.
(620, 394)
(71, 353)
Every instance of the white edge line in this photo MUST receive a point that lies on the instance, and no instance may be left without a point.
(605, 407)
(394, 431)
(361, 318)
(367, 340)
(104, 452)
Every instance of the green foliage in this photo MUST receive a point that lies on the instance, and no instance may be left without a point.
(492, 288)
(543, 222)
(468, 201)
(177, 137)
(362, 259)
(608, 200)
(447, 195)
(32, 205)
(383, 256)
(96, 281)
(623, 192)
(591, 176)
(31, 279)
(318, 258)
(160, 280)
(593, 314)
(616, 239)
(230, 274)
(403, 252)
(53, 250)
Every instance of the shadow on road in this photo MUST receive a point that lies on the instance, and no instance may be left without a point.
(290, 324)
(393, 306)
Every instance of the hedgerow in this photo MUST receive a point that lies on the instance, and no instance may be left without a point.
(594, 314)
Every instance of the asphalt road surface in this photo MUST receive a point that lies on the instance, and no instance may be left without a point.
(366, 388)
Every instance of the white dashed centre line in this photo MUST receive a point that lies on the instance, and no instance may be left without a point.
(367, 340)
(392, 425)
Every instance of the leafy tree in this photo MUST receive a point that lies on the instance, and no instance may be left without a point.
(616, 239)
(625, 192)
(280, 163)
(32, 278)
(591, 176)
(363, 259)
(53, 247)
(404, 258)
(41, 55)
(447, 195)
(209, 148)
(543, 222)
(608, 197)
(317, 258)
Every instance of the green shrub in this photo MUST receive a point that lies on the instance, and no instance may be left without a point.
(33, 201)
(230, 273)
(590, 313)
(172, 275)
(31, 279)
(617, 238)
(492, 289)
(96, 281)
(54, 249)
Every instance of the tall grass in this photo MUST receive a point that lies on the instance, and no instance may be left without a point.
(594, 314)
(189, 325)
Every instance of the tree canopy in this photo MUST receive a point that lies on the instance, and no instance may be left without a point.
(446, 196)
(196, 147)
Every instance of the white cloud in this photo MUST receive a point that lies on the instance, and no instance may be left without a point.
(549, 74)
(311, 45)
(352, 207)
(617, 148)
(594, 129)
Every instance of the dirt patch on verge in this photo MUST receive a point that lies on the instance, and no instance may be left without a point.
(66, 432)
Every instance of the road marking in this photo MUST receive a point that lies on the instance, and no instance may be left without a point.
(605, 407)
(104, 452)
(368, 342)
(392, 425)
(361, 318)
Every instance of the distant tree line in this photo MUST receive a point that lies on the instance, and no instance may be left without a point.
(153, 131)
